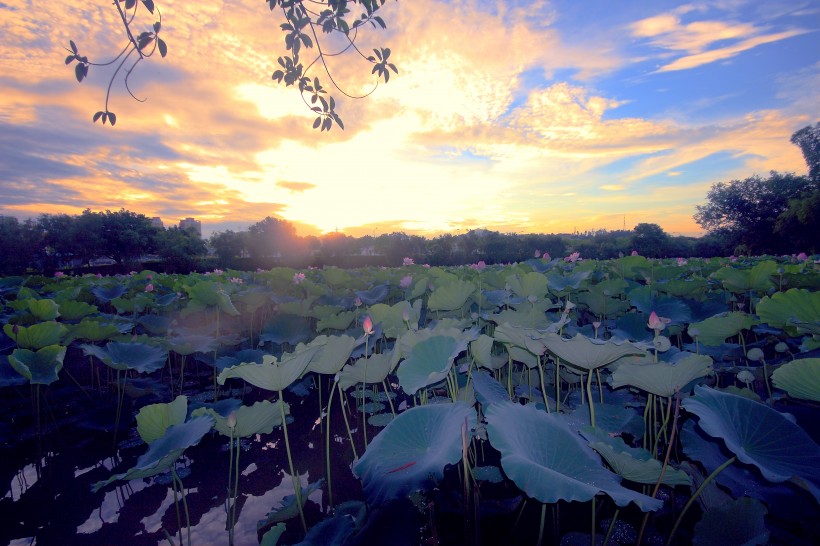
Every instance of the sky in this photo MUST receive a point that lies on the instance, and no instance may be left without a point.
(513, 116)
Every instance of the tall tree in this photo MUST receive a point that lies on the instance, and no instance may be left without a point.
(650, 240)
(181, 249)
(126, 235)
(271, 238)
(808, 139)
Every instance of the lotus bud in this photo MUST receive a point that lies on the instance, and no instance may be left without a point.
(367, 326)
(149, 287)
(693, 332)
(746, 377)
(755, 355)
(781, 347)
(657, 323)
(231, 420)
(532, 298)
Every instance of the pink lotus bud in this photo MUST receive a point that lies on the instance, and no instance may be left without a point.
(59, 274)
(367, 326)
(657, 323)
(634, 253)
(149, 287)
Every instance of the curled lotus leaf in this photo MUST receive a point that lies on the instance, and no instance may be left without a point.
(8, 375)
(36, 336)
(164, 451)
(396, 319)
(129, 356)
(760, 436)
(632, 463)
(525, 338)
(107, 293)
(549, 462)
(481, 350)
(273, 374)
(368, 370)
(40, 367)
(206, 294)
(450, 296)
(530, 284)
(662, 379)
(260, 418)
(335, 351)
(154, 419)
(588, 354)
(800, 378)
(715, 330)
(428, 363)
(789, 310)
(412, 451)
(189, 344)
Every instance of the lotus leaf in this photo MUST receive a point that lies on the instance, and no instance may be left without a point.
(611, 418)
(206, 294)
(374, 295)
(156, 325)
(75, 310)
(632, 463)
(683, 288)
(672, 308)
(411, 452)
(517, 336)
(662, 379)
(760, 436)
(586, 353)
(189, 344)
(428, 363)
(523, 356)
(392, 318)
(336, 276)
(450, 296)
(286, 328)
(336, 322)
(549, 462)
(715, 330)
(260, 418)
(531, 284)
(740, 521)
(272, 374)
(129, 356)
(800, 378)
(368, 370)
(107, 293)
(787, 310)
(333, 355)
(742, 280)
(153, 420)
(561, 284)
(330, 532)
(164, 451)
(632, 267)
(43, 309)
(601, 304)
(40, 367)
(36, 336)
(488, 390)
(526, 316)
(93, 330)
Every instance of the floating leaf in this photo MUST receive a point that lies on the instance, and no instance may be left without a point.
(549, 462)
(800, 378)
(759, 435)
(411, 452)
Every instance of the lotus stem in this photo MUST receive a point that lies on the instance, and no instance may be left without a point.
(387, 395)
(591, 403)
(543, 388)
(557, 385)
(592, 524)
(235, 486)
(176, 477)
(766, 378)
(228, 504)
(612, 526)
(176, 504)
(541, 526)
(347, 424)
(327, 444)
(697, 493)
(297, 486)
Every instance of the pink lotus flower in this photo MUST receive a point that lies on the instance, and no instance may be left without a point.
(218, 271)
(546, 257)
(237, 280)
(479, 266)
(149, 276)
(657, 323)
(231, 420)
(682, 261)
(59, 274)
(406, 281)
(298, 278)
(802, 257)
(537, 253)
(572, 258)
(149, 287)
(408, 261)
(367, 326)
(634, 253)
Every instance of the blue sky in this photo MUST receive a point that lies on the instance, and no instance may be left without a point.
(513, 116)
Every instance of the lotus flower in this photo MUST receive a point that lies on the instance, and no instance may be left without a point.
(634, 253)
(367, 326)
(298, 278)
(407, 261)
(572, 258)
(537, 253)
(802, 257)
(479, 266)
(149, 287)
(657, 323)
(405, 281)
(682, 261)
(59, 274)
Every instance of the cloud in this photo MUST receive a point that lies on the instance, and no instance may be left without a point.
(298, 187)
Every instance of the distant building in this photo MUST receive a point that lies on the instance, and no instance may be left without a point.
(156, 221)
(191, 224)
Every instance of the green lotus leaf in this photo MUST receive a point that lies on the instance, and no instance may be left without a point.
(209, 294)
(527, 315)
(191, 343)
(525, 338)
(286, 328)
(335, 351)
(715, 330)
(336, 322)
(368, 370)
(392, 317)
(740, 521)
(302, 307)
(532, 284)
(632, 267)
(612, 287)
(523, 356)
(588, 354)
(800, 378)
(450, 296)
(129, 356)
(680, 288)
(760, 436)
(107, 293)
(154, 419)
(40, 367)
(272, 535)
(428, 363)
(76, 310)
(644, 299)
(632, 463)
(92, 330)
(481, 349)
(272, 374)
(335, 276)
(601, 304)
(260, 418)
(560, 284)
(488, 390)
(411, 452)
(253, 298)
(742, 280)
(45, 309)
(787, 310)
(163, 452)
(36, 336)
(156, 325)
(549, 462)
(662, 379)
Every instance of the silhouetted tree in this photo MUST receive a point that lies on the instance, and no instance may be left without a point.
(650, 240)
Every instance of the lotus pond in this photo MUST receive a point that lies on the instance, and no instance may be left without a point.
(552, 401)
